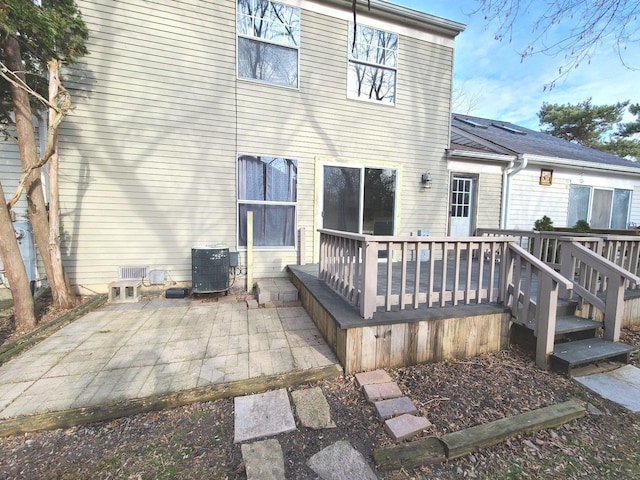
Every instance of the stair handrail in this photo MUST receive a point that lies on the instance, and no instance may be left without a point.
(595, 274)
(512, 295)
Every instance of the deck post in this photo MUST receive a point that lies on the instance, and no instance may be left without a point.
(614, 308)
(546, 320)
(369, 280)
(567, 269)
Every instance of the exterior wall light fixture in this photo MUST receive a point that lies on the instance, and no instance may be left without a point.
(426, 180)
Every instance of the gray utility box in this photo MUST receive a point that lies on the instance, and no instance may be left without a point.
(209, 269)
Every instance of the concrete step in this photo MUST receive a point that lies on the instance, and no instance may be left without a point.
(276, 290)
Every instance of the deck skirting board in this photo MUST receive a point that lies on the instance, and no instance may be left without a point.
(396, 339)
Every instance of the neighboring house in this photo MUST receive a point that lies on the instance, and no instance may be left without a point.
(190, 114)
(507, 176)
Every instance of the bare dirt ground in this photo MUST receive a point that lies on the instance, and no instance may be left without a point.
(196, 441)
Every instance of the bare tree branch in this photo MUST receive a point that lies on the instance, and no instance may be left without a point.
(62, 109)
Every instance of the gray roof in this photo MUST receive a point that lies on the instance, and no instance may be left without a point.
(482, 134)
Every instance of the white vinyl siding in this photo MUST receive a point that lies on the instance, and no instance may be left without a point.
(148, 156)
(634, 217)
(531, 201)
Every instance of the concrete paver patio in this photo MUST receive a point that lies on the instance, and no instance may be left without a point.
(138, 350)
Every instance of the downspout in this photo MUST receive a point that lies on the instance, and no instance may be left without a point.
(508, 172)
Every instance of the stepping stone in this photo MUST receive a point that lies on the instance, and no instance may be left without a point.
(340, 461)
(621, 386)
(263, 460)
(370, 378)
(405, 426)
(381, 391)
(312, 408)
(262, 415)
(394, 407)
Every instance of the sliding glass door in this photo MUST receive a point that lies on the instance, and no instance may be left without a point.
(359, 199)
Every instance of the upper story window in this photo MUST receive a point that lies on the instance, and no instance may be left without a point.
(373, 61)
(268, 42)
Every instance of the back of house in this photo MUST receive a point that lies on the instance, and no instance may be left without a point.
(189, 115)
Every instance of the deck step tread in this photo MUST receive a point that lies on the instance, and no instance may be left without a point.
(570, 324)
(590, 350)
(573, 323)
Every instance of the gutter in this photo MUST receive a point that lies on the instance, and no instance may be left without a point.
(508, 172)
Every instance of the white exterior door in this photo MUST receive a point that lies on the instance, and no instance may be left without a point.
(462, 206)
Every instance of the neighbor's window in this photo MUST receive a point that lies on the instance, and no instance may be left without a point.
(268, 42)
(267, 186)
(373, 61)
(601, 207)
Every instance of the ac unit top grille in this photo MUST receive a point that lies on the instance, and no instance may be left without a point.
(132, 273)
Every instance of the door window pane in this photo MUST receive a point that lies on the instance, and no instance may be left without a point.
(621, 200)
(341, 207)
(379, 201)
(579, 196)
(601, 208)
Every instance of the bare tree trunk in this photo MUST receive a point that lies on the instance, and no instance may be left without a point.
(65, 298)
(23, 306)
(29, 157)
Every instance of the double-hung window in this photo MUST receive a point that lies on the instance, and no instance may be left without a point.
(268, 187)
(268, 42)
(373, 62)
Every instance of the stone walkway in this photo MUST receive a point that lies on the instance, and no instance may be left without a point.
(149, 348)
(270, 414)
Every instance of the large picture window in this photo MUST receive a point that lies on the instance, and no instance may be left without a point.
(373, 60)
(268, 42)
(267, 186)
(601, 207)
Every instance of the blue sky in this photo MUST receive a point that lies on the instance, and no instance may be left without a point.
(491, 81)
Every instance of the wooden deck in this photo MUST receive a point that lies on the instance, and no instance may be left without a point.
(399, 337)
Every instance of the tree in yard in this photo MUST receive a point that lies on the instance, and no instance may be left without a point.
(23, 305)
(595, 126)
(31, 36)
(589, 25)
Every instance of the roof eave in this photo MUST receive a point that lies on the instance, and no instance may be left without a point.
(568, 162)
(456, 154)
(410, 17)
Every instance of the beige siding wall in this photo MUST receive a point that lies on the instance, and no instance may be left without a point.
(10, 171)
(149, 154)
(489, 199)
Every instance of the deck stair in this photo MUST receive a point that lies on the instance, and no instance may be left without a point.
(577, 341)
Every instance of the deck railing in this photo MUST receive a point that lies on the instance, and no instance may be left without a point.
(417, 271)
(598, 282)
(531, 290)
(622, 250)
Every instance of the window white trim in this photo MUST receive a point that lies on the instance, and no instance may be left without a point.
(293, 46)
(292, 232)
(353, 61)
